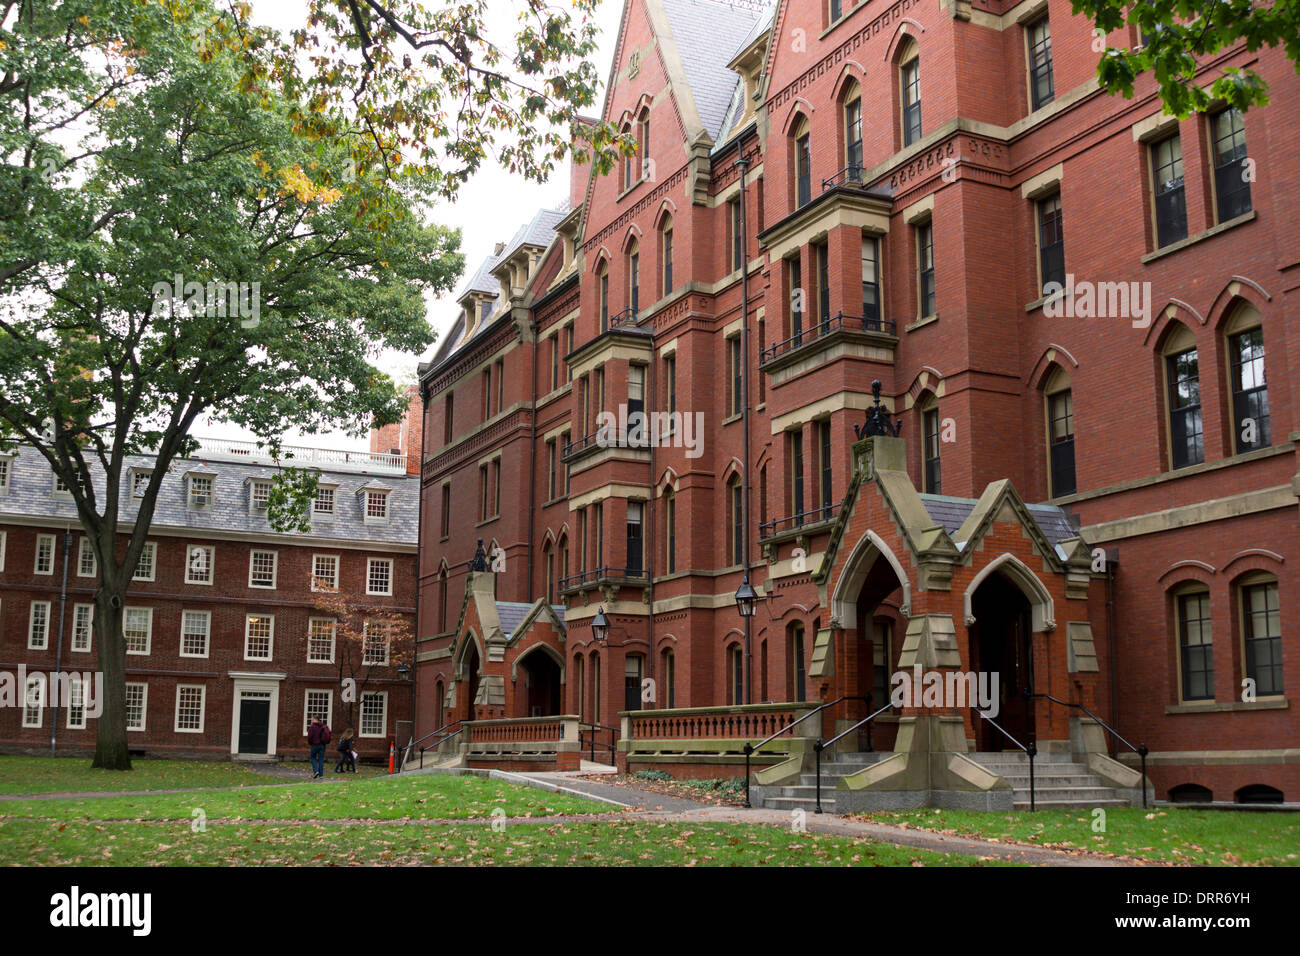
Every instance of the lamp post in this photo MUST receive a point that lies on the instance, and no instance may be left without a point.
(600, 626)
(405, 673)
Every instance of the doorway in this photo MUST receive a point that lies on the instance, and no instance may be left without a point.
(254, 723)
(1000, 644)
(543, 685)
(471, 671)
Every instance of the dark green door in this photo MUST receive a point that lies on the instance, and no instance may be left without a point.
(254, 726)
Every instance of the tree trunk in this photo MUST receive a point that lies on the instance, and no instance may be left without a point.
(110, 743)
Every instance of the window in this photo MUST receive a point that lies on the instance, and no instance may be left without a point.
(796, 299)
(449, 411)
(595, 688)
(670, 532)
(1060, 436)
(670, 385)
(1250, 423)
(871, 283)
(320, 640)
(324, 572)
(200, 492)
(1041, 89)
(34, 702)
(735, 375)
(374, 714)
(259, 637)
(735, 228)
(910, 84)
(633, 281)
(318, 706)
(140, 482)
(853, 137)
(736, 675)
(930, 445)
(634, 552)
(667, 254)
(259, 496)
(137, 630)
(484, 493)
(445, 530)
(1171, 204)
(38, 631)
(487, 393)
(1051, 243)
(670, 679)
(1196, 652)
(925, 267)
(4, 539)
(87, 565)
(189, 708)
(552, 469)
(735, 522)
(137, 695)
(796, 475)
(1231, 185)
(549, 568)
(4, 476)
(77, 704)
(196, 627)
(824, 462)
(599, 514)
(1262, 624)
(881, 660)
(798, 671)
(602, 276)
(837, 9)
(199, 561)
(323, 503)
(496, 485)
(83, 620)
(379, 576)
(45, 554)
(377, 638)
(376, 505)
(633, 666)
(145, 567)
(262, 569)
(636, 397)
(802, 171)
(1186, 442)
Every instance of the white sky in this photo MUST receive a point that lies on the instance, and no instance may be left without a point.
(490, 207)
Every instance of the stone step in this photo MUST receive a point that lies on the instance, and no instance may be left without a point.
(1042, 780)
(799, 803)
(1019, 804)
(1068, 794)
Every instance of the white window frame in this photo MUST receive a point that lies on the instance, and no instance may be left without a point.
(211, 552)
(31, 627)
(270, 640)
(148, 631)
(144, 706)
(36, 568)
(334, 500)
(84, 551)
(189, 492)
(253, 485)
(58, 489)
(367, 517)
(203, 707)
(149, 552)
(370, 562)
(334, 586)
(365, 643)
(139, 476)
(76, 688)
(77, 610)
(275, 569)
(306, 707)
(6, 473)
(206, 616)
(361, 721)
(334, 633)
(4, 536)
(42, 683)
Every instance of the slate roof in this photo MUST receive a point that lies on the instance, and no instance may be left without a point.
(31, 485)
(512, 613)
(952, 512)
(708, 35)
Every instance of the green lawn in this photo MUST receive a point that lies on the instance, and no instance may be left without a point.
(74, 775)
(1215, 837)
(622, 842)
(378, 798)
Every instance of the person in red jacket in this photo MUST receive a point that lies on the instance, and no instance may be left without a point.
(318, 735)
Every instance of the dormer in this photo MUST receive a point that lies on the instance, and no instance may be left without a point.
(749, 64)
(514, 271)
(200, 489)
(373, 496)
(568, 230)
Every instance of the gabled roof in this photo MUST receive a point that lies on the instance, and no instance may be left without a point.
(482, 280)
(708, 35)
(953, 512)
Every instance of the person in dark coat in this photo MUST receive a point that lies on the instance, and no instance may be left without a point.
(345, 753)
(318, 735)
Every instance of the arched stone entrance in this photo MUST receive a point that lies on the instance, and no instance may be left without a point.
(538, 683)
(1000, 644)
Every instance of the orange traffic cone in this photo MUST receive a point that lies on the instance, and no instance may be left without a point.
(392, 757)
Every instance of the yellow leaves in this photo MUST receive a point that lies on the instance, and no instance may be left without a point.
(84, 20)
(299, 185)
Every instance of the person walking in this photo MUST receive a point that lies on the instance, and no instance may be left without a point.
(345, 753)
(318, 735)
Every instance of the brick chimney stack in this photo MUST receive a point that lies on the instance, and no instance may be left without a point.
(404, 437)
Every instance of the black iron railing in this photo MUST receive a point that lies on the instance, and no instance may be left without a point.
(854, 323)
(1031, 750)
(819, 746)
(1140, 749)
(854, 174)
(623, 319)
(442, 740)
(589, 732)
(601, 574)
(753, 748)
(814, 516)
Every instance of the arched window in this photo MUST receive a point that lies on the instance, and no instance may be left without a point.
(595, 687)
(1261, 632)
(633, 671)
(670, 532)
(442, 601)
(1058, 403)
(909, 84)
(666, 254)
(801, 155)
(602, 293)
(580, 686)
(1195, 641)
(548, 568)
(853, 133)
(643, 144)
(931, 472)
(668, 680)
(564, 559)
(1244, 335)
(735, 675)
(634, 277)
(797, 676)
(1183, 397)
(735, 522)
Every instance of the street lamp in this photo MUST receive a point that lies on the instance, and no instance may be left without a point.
(600, 626)
(745, 598)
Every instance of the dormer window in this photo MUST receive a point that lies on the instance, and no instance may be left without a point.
(139, 482)
(61, 488)
(200, 492)
(6, 465)
(323, 505)
(259, 495)
(375, 504)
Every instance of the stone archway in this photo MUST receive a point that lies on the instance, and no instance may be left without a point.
(541, 692)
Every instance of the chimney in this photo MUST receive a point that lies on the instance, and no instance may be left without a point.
(579, 173)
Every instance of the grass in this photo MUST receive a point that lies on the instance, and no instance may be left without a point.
(378, 798)
(621, 842)
(1212, 837)
(28, 775)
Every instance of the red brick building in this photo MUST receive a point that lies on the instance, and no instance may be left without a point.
(232, 644)
(1081, 312)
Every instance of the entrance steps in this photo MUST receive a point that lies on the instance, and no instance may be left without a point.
(803, 795)
(1059, 782)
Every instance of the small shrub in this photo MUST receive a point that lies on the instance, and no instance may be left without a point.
(652, 775)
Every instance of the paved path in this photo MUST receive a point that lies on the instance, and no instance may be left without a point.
(630, 797)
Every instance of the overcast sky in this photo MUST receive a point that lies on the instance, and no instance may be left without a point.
(489, 209)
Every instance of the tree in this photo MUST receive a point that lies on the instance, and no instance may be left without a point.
(1179, 35)
(367, 637)
(174, 242)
